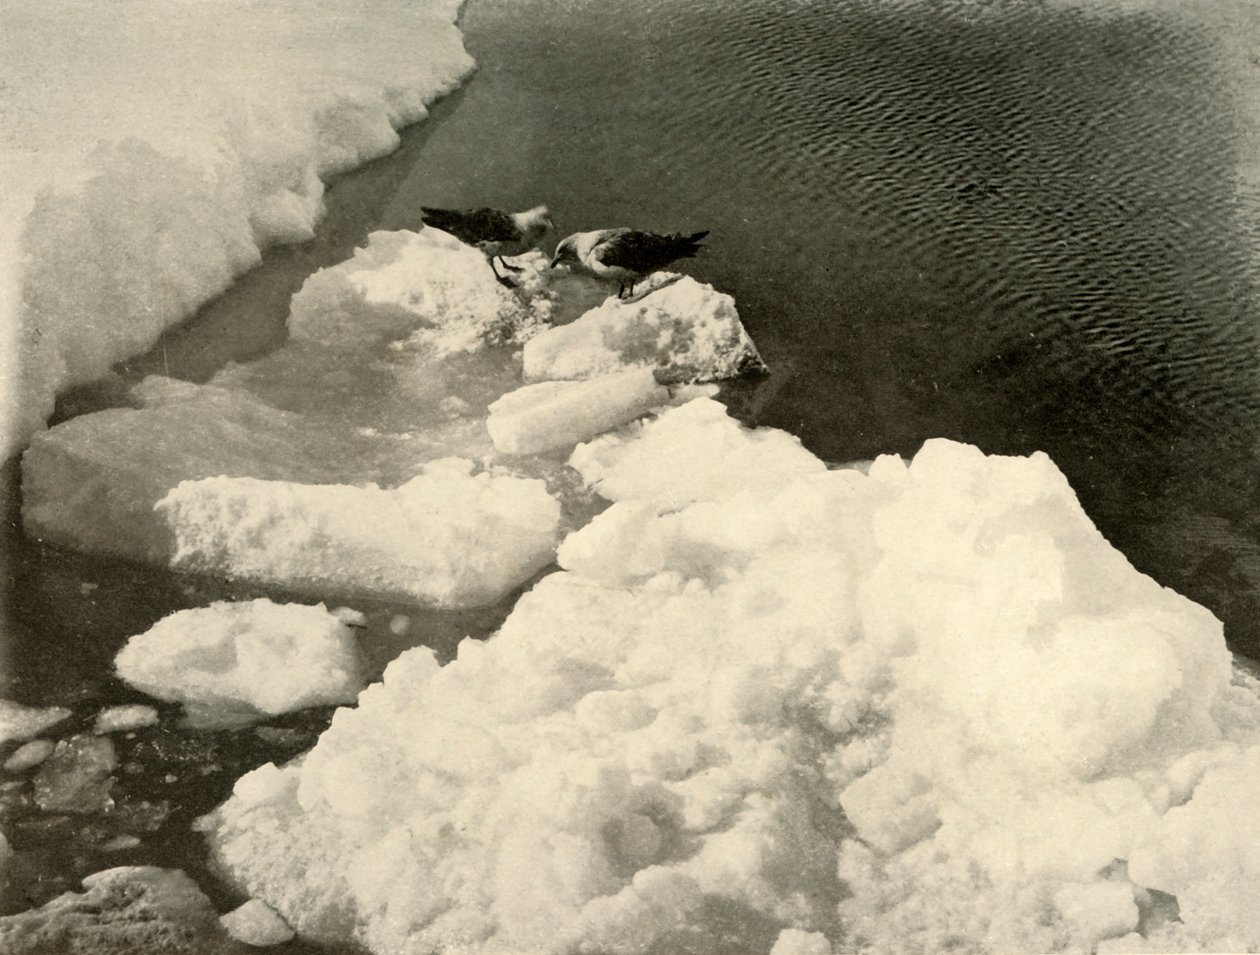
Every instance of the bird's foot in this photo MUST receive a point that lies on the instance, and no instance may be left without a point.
(645, 292)
(506, 282)
(509, 267)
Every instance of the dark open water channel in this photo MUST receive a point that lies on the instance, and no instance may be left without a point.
(1008, 224)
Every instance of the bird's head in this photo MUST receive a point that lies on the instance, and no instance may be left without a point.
(566, 251)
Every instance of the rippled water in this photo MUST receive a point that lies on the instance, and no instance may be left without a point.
(1019, 225)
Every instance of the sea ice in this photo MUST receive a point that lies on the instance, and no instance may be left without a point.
(29, 755)
(168, 147)
(76, 776)
(137, 910)
(684, 330)
(449, 537)
(922, 706)
(245, 660)
(118, 719)
(559, 414)
(256, 923)
(19, 722)
(692, 453)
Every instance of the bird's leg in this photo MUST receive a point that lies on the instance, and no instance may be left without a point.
(514, 268)
(621, 289)
(503, 279)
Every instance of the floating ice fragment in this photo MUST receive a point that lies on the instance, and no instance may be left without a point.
(76, 776)
(687, 331)
(256, 923)
(245, 659)
(140, 910)
(559, 414)
(130, 716)
(18, 722)
(448, 537)
(793, 941)
(29, 755)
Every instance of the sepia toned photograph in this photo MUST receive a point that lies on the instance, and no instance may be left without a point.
(629, 477)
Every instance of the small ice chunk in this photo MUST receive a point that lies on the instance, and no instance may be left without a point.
(76, 776)
(399, 624)
(255, 657)
(448, 537)
(559, 414)
(18, 722)
(256, 923)
(140, 910)
(29, 755)
(793, 941)
(696, 452)
(120, 843)
(686, 330)
(128, 716)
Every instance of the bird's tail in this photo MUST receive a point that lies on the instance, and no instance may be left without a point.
(443, 219)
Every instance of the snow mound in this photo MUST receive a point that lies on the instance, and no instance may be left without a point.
(685, 330)
(256, 923)
(250, 659)
(447, 538)
(168, 148)
(559, 414)
(918, 708)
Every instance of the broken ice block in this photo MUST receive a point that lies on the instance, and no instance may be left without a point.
(19, 722)
(245, 659)
(693, 453)
(256, 923)
(76, 777)
(29, 755)
(140, 910)
(448, 537)
(130, 716)
(687, 331)
(559, 414)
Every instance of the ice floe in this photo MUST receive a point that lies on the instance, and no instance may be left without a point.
(237, 661)
(127, 716)
(19, 722)
(922, 706)
(170, 146)
(140, 910)
(256, 923)
(684, 329)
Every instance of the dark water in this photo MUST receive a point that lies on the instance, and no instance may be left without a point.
(1014, 225)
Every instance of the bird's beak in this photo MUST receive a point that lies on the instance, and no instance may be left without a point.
(554, 262)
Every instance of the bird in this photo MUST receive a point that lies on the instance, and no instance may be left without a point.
(495, 232)
(626, 255)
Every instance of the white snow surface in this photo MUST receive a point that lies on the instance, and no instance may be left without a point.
(918, 708)
(253, 658)
(687, 331)
(448, 537)
(150, 149)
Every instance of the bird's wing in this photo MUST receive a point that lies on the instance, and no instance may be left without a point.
(631, 250)
(474, 225)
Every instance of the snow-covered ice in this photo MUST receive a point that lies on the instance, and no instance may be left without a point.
(139, 910)
(19, 722)
(685, 330)
(127, 716)
(449, 537)
(245, 660)
(919, 707)
(559, 414)
(174, 141)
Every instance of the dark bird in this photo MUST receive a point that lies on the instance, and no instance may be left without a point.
(626, 255)
(495, 232)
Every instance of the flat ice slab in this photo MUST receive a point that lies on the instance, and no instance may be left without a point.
(19, 722)
(559, 414)
(234, 661)
(687, 331)
(449, 537)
